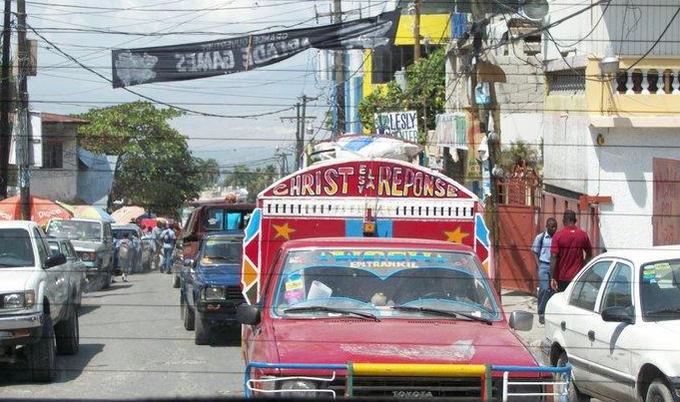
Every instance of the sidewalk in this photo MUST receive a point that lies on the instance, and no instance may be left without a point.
(514, 300)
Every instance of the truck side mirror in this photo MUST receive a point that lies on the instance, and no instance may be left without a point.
(248, 314)
(54, 260)
(521, 320)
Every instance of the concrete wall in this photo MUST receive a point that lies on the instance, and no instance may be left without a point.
(623, 170)
(58, 184)
(567, 151)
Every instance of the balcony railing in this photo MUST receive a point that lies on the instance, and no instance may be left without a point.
(648, 81)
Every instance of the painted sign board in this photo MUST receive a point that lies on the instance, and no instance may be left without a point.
(401, 125)
(332, 199)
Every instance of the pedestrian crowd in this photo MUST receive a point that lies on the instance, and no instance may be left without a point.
(560, 256)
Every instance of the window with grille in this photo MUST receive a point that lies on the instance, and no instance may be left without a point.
(567, 82)
(53, 155)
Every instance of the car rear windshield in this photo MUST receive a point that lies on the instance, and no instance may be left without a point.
(120, 233)
(385, 282)
(660, 290)
(75, 230)
(221, 251)
(16, 249)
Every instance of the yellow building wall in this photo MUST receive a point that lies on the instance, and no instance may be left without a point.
(602, 101)
(433, 26)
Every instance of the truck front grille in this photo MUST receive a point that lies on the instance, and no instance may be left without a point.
(451, 389)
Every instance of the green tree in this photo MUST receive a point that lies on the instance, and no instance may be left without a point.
(155, 168)
(209, 172)
(424, 92)
(252, 180)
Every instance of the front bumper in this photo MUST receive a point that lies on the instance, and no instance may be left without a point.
(20, 329)
(431, 381)
(222, 313)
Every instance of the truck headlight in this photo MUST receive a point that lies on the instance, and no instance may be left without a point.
(212, 293)
(18, 300)
(298, 389)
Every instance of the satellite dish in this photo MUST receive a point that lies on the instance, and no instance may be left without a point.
(534, 10)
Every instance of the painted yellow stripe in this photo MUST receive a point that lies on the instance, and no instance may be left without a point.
(433, 370)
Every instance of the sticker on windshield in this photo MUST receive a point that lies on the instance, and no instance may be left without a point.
(659, 273)
(295, 288)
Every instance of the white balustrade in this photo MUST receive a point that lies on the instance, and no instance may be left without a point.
(660, 88)
(641, 76)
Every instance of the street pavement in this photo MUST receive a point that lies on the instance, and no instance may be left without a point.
(133, 345)
(512, 301)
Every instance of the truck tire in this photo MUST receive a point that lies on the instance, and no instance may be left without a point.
(67, 333)
(187, 316)
(42, 354)
(203, 335)
(658, 392)
(175, 281)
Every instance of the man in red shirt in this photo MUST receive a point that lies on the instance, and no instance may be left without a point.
(567, 251)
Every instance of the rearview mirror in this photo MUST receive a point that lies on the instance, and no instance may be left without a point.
(54, 260)
(521, 320)
(618, 314)
(248, 314)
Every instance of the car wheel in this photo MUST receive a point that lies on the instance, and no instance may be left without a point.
(203, 335)
(574, 394)
(188, 316)
(175, 281)
(41, 355)
(68, 335)
(658, 392)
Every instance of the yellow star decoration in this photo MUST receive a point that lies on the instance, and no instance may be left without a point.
(283, 231)
(456, 236)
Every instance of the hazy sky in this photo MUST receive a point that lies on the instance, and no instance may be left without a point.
(87, 34)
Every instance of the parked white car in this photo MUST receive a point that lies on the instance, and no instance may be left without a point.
(38, 307)
(618, 325)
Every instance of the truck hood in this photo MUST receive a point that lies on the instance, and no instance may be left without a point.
(13, 279)
(84, 245)
(398, 341)
(222, 274)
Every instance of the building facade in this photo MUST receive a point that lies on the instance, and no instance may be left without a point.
(612, 132)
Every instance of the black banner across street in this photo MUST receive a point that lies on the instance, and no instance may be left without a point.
(226, 56)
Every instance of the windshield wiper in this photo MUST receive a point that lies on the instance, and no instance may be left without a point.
(367, 316)
(446, 313)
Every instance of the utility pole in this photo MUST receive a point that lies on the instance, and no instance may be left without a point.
(6, 93)
(416, 32)
(339, 76)
(300, 120)
(23, 137)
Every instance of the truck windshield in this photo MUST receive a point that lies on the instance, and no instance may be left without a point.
(75, 230)
(221, 251)
(379, 282)
(15, 249)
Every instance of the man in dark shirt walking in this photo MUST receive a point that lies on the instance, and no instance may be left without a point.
(567, 250)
